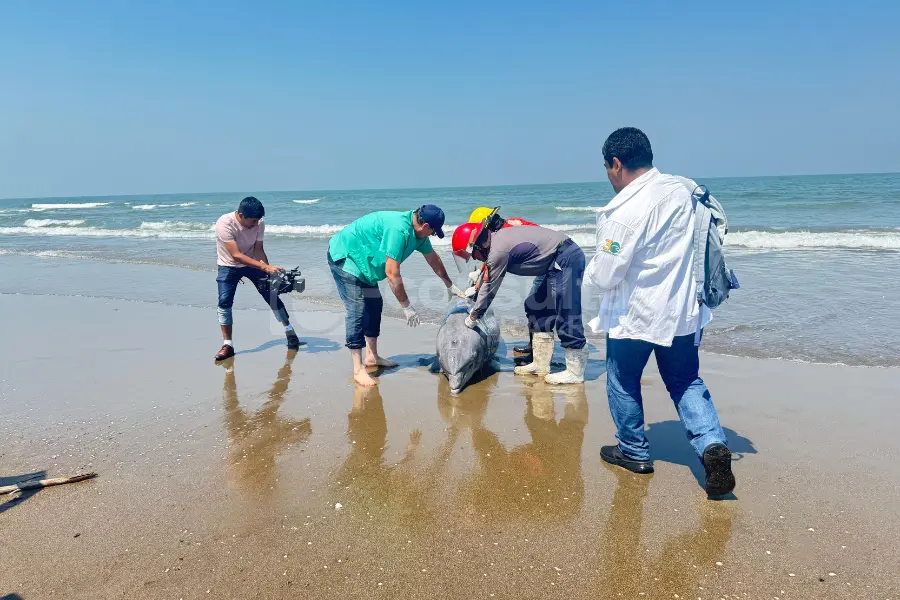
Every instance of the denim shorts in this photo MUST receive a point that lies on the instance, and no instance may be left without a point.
(363, 302)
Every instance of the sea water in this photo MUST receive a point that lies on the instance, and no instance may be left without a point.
(817, 256)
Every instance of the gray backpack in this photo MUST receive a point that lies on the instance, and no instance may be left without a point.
(714, 279)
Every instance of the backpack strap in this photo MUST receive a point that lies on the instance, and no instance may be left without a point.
(702, 217)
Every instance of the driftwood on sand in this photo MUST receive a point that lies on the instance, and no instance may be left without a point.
(42, 483)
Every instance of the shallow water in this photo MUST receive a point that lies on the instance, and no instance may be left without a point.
(817, 257)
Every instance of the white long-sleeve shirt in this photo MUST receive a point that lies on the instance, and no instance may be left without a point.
(643, 266)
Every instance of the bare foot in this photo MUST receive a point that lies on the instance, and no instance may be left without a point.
(380, 362)
(364, 379)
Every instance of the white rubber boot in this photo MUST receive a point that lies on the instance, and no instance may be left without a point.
(541, 353)
(576, 360)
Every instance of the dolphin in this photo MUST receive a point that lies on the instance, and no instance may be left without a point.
(462, 352)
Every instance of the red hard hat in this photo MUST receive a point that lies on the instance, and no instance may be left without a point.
(464, 237)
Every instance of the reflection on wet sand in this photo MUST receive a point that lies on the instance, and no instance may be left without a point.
(446, 489)
(540, 480)
(537, 480)
(371, 483)
(256, 439)
(621, 557)
(686, 561)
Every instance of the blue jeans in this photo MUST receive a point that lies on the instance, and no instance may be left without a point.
(679, 367)
(228, 279)
(363, 303)
(555, 299)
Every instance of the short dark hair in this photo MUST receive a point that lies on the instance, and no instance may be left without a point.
(251, 208)
(630, 146)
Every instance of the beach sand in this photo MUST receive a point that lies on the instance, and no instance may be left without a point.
(224, 481)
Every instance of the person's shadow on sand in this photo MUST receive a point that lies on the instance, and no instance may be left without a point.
(668, 443)
(22, 496)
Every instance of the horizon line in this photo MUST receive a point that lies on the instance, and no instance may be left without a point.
(429, 188)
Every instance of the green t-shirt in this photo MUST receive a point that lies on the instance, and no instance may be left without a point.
(367, 242)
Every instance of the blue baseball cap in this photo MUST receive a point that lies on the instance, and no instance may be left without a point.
(434, 216)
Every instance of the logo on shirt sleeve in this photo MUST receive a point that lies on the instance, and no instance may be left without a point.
(611, 247)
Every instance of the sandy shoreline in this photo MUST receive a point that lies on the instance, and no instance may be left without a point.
(224, 485)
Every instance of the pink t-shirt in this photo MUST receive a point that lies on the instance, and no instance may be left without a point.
(228, 229)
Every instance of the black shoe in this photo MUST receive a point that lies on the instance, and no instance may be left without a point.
(614, 456)
(717, 462)
(526, 349)
(523, 359)
(293, 342)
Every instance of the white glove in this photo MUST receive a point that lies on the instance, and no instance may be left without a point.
(471, 292)
(470, 322)
(454, 291)
(474, 276)
(412, 317)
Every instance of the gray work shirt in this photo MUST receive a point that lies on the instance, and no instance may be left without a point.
(526, 250)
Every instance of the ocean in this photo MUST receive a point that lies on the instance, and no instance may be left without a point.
(817, 256)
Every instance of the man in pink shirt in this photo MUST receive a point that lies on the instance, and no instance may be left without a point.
(240, 253)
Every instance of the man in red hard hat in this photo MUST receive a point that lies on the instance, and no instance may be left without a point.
(531, 251)
(523, 352)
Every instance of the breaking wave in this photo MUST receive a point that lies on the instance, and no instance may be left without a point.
(157, 229)
(805, 240)
(312, 201)
(66, 205)
(54, 222)
(578, 208)
(304, 230)
(583, 235)
(174, 226)
(153, 206)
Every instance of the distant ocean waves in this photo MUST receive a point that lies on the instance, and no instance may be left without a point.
(153, 229)
(43, 207)
(155, 206)
(584, 235)
(68, 205)
(860, 239)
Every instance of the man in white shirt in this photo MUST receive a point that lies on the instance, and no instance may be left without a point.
(643, 268)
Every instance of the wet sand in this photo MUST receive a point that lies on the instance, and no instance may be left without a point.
(223, 481)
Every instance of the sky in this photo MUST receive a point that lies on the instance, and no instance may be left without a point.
(113, 97)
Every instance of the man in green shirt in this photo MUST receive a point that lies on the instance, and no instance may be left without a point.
(370, 250)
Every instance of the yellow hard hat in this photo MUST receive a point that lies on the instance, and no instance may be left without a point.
(479, 214)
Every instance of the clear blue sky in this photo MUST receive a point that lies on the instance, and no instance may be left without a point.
(167, 96)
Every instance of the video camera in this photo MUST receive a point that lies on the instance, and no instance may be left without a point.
(287, 281)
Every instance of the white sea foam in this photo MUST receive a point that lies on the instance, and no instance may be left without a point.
(571, 227)
(578, 208)
(100, 232)
(43, 253)
(54, 222)
(55, 206)
(175, 226)
(153, 206)
(311, 201)
(805, 240)
(304, 230)
(583, 235)
(164, 230)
